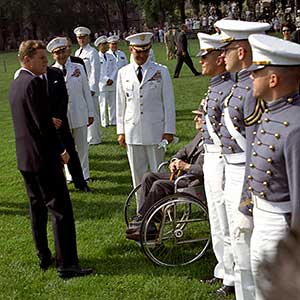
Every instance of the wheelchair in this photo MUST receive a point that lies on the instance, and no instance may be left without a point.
(180, 220)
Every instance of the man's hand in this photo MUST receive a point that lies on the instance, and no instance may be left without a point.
(57, 122)
(90, 121)
(181, 165)
(121, 140)
(244, 224)
(93, 93)
(168, 137)
(109, 82)
(65, 157)
(172, 166)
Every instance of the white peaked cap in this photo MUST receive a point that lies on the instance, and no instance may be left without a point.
(100, 40)
(209, 43)
(271, 51)
(82, 31)
(57, 44)
(235, 30)
(140, 41)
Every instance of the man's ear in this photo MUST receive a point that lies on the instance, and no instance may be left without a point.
(241, 53)
(273, 80)
(219, 60)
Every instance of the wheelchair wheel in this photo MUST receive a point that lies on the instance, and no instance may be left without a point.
(130, 207)
(175, 231)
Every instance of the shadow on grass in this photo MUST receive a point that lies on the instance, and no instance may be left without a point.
(104, 165)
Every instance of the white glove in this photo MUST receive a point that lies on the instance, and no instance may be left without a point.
(245, 224)
(163, 144)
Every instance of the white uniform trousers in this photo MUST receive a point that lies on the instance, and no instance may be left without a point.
(243, 279)
(93, 136)
(269, 228)
(143, 158)
(213, 169)
(107, 98)
(82, 147)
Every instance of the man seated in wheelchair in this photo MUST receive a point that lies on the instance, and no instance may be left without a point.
(155, 186)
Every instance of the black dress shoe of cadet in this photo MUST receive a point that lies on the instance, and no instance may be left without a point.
(211, 280)
(73, 271)
(225, 290)
(45, 263)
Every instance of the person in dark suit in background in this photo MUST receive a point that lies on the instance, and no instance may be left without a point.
(40, 155)
(183, 54)
(59, 106)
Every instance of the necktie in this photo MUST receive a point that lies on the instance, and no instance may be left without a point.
(80, 51)
(64, 70)
(45, 81)
(140, 74)
(115, 54)
(105, 56)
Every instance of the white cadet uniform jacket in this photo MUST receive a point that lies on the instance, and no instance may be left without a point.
(109, 70)
(91, 60)
(80, 106)
(146, 110)
(120, 57)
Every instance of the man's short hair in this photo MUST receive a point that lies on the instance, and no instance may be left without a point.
(29, 48)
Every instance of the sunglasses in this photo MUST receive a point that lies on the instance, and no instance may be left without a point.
(286, 30)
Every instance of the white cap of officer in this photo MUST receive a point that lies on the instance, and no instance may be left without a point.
(209, 43)
(271, 51)
(101, 40)
(140, 41)
(56, 44)
(113, 39)
(236, 30)
(82, 31)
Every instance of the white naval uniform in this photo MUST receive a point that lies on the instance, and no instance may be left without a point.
(107, 94)
(91, 60)
(120, 57)
(145, 111)
(80, 108)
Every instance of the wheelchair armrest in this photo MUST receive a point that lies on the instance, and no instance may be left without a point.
(185, 176)
(164, 163)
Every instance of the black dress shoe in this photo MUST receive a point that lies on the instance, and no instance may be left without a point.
(46, 263)
(136, 234)
(225, 290)
(74, 271)
(85, 189)
(211, 280)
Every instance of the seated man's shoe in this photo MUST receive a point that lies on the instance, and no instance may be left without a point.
(46, 263)
(211, 280)
(225, 290)
(134, 224)
(73, 271)
(135, 235)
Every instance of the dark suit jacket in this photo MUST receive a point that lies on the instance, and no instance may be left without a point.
(193, 154)
(181, 44)
(58, 92)
(37, 143)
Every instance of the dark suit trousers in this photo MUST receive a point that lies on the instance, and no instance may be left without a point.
(74, 164)
(47, 191)
(155, 186)
(184, 59)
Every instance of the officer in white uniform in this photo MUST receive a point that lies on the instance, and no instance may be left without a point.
(80, 106)
(240, 112)
(220, 85)
(91, 60)
(118, 54)
(107, 82)
(145, 108)
(273, 162)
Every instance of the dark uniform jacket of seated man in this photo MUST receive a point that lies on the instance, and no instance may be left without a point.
(155, 186)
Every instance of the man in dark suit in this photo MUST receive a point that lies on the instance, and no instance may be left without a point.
(183, 54)
(59, 105)
(40, 154)
(155, 186)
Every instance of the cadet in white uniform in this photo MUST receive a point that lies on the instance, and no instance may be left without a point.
(107, 82)
(145, 108)
(213, 168)
(91, 60)
(118, 54)
(80, 106)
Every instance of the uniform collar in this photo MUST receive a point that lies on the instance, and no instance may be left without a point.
(291, 99)
(243, 74)
(218, 79)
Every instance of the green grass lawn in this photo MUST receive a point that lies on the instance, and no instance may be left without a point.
(122, 272)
